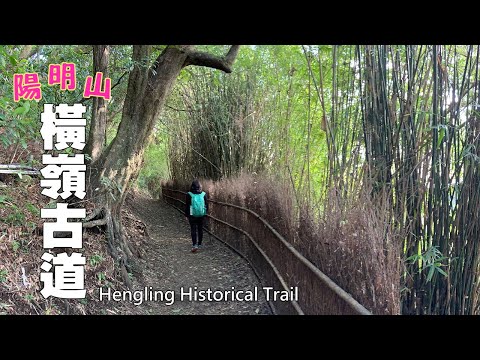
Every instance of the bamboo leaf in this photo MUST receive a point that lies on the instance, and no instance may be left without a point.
(430, 273)
(442, 272)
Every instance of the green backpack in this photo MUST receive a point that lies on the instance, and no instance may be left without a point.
(198, 208)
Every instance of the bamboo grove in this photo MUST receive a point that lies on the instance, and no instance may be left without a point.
(397, 123)
(421, 134)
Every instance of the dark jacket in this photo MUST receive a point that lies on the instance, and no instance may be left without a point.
(188, 200)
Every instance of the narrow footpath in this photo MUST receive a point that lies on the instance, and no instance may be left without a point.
(168, 264)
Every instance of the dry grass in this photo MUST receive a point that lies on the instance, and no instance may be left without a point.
(353, 244)
(350, 241)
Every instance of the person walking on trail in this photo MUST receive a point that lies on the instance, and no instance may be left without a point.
(196, 207)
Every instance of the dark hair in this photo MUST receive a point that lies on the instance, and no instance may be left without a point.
(196, 186)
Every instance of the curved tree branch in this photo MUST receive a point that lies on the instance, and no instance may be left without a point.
(201, 58)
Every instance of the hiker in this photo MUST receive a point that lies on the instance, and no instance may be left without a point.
(196, 207)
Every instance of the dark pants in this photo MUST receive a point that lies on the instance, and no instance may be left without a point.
(196, 226)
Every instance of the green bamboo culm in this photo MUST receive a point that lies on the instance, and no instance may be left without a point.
(398, 123)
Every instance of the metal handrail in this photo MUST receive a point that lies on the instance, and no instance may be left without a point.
(295, 305)
(354, 304)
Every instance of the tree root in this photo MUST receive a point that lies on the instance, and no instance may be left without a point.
(93, 223)
(117, 245)
(98, 211)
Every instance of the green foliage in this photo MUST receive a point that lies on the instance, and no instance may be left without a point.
(3, 275)
(32, 209)
(52, 204)
(96, 259)
(14, 217)
(155, 165)
(83, 301)
(18, 121)
(397, 122)
(5, 199)
(18, 127)
(326, 119)
(430, 260)
(31, 225)
(15, 245)
(258, 118)
(101, 277)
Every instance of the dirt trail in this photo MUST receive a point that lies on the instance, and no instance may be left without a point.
(168, 264)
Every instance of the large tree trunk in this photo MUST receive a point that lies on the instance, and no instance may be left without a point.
(119, 164)
(98, 127)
